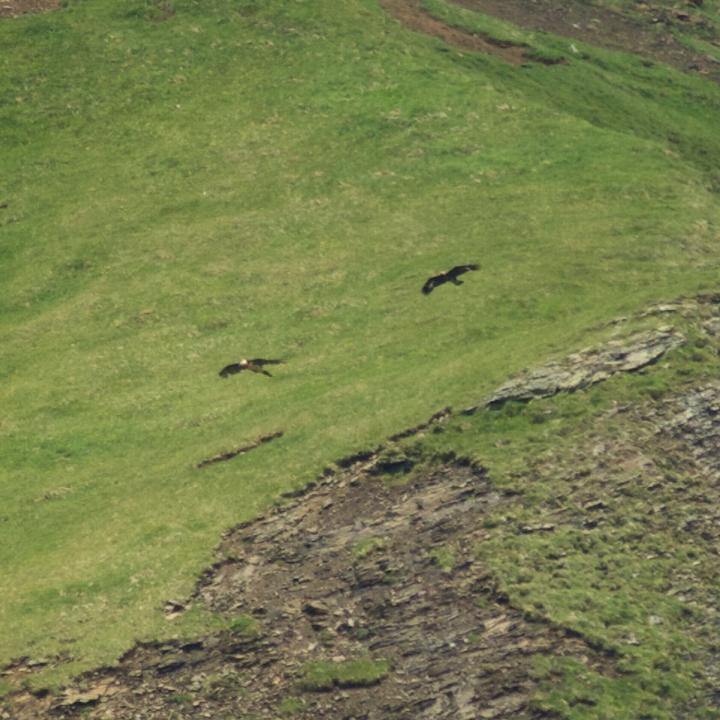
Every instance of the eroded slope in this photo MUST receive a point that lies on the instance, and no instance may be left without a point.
(667, 32)
(577, 577)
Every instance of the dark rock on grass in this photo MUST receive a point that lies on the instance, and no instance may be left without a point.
(230, 454)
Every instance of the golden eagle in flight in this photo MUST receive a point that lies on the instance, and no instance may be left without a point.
(449, 276)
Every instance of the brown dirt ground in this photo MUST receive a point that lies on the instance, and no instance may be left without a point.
(345, 571)
(648, 32)
(411, 14)
(14, 8)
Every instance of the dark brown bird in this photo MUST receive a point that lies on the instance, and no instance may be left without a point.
(449, 276)
(255, 365)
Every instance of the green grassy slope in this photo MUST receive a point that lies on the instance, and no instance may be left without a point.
(278, 179)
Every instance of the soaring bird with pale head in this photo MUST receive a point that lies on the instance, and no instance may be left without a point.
(255, 365)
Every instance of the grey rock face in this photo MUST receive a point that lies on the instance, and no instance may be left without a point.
(695, 422)
(588, 367)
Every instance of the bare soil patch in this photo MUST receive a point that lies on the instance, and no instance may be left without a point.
(14, 8)
(410, 13)
(348, 571)
(648, 33)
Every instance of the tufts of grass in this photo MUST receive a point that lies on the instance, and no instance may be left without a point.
(445, 557)
(366, 546)
(244, 625)
(291, 706)
(325, 675)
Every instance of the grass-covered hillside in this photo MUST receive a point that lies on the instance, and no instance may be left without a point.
(191, 184)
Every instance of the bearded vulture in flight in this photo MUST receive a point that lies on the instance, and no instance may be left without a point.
(255, 365)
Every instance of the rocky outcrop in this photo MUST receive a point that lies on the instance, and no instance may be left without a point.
(377, 583)
(588, 367)
(695, 422)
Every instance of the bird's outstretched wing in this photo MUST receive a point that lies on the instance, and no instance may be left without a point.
(230, 370)
(460, 269)
(263, 361)
(433, 282)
